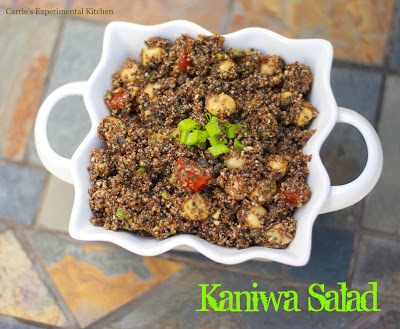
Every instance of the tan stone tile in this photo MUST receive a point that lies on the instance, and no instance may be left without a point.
(356, 28)
(42, 4)
(24, 62)
(207, 13)
(57, 205)
(6, 3)
(22, 292)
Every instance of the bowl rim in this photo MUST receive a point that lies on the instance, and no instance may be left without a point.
(214, 252)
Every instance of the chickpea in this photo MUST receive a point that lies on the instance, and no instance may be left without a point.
(196, 207)
(149, 89)
(285, 95)
(237, 187)
(128, 74)
(150, 54)
(275, 234)
(132, 89)
(234, 163)
(225, 66)
(304, 117)
(267, 69)
(279, 164)
(253, 218)
(263, 192)
(221, 104)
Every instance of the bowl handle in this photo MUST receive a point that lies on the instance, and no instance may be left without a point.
(342, 196)
(56, 164)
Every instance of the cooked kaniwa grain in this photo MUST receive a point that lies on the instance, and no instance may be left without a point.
(206, 141)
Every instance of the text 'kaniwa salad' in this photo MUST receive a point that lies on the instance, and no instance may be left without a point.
(206, 141)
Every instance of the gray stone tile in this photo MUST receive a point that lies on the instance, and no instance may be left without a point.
(330, 257)
(387, 318)
(20, 190)
(382, 206)
(78, 56)
(344, 153)
(14, 324)
(282, 318)
(97, 279)
(378, 260)
(175, 307)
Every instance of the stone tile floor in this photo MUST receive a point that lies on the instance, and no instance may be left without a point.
(49, 280)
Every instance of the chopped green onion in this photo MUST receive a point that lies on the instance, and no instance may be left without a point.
(237, 52)
(210, 117)
(214, 140)
(188, 125)
(140, 170)
(193, 137)
(230, 129)
(184, 137)
(218, 149)
(219, 56)
(119, 214)
(213, 129)
(238, 144)
(203, 136)
(263, 133)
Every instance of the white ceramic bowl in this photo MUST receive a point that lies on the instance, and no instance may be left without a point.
(122, 40)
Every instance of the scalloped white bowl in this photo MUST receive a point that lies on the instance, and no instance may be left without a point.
(122, 40)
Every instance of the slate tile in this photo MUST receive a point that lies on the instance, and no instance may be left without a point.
(356, 30)
(382, 206)
(330, 257)
(56, 206)
(20, 190)
(344, 153)
(207, 13)
(175, 307)
(95, 279)
(78, 56)
(23, 294)
(282, 319)
(24, 62)
(387, 318)
(378, 260)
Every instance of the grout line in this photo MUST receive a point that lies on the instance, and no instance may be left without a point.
(347, 64)
(227, 20)
(45, 277)
(387, 59)
(354, 258)
(42, 195)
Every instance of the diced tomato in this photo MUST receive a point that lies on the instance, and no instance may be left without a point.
(190, 176)
(184, 62)
(117, 100)
(295, 198)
